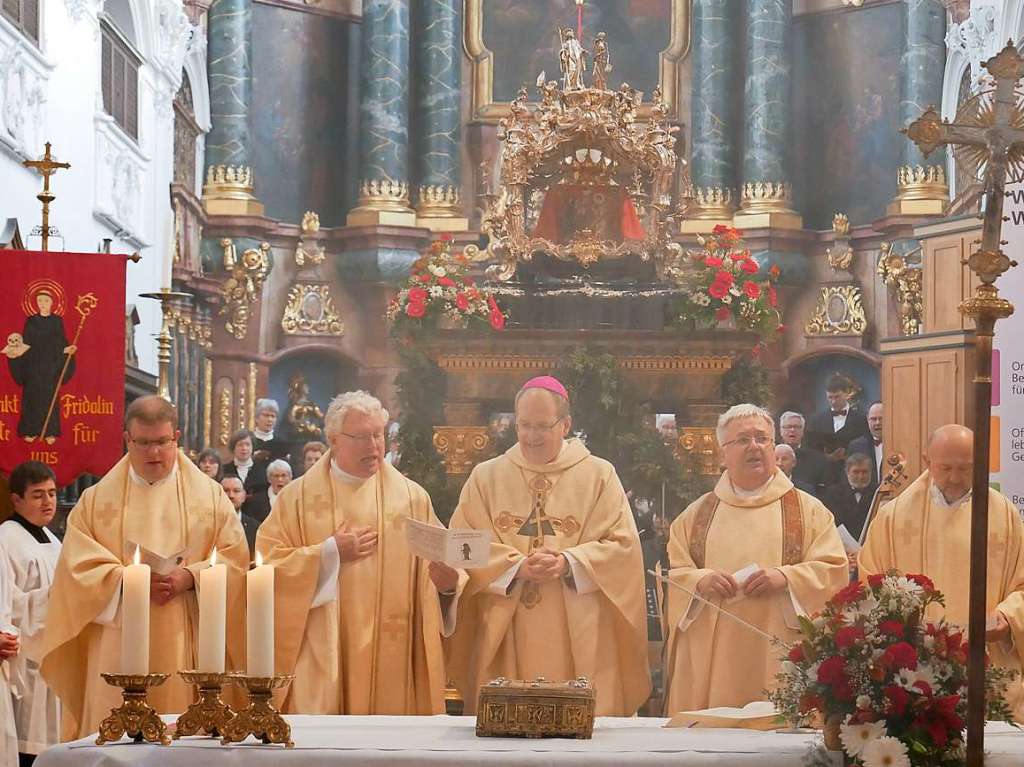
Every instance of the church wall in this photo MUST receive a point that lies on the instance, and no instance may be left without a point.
(299, 116)
(846, 95)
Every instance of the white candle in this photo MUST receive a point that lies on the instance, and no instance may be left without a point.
(259, 620)
(135, 618)
(213, 602)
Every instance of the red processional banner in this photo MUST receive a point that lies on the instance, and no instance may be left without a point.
(62, 326)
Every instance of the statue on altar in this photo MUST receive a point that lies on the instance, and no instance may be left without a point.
(304, 416)
(572, 61)
(602, 61)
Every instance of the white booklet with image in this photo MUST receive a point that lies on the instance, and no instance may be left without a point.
(465, 549)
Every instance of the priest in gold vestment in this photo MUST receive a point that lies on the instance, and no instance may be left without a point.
(759, 548)
(358, 617)
(563, 594)
(927, 529)
(157, 499)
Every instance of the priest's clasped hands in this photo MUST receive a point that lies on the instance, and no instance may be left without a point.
(164, 588)
(543, 565)
(760, 584)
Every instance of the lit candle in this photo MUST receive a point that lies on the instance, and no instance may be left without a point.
(135, 618)
(259, 620)
(213, 602)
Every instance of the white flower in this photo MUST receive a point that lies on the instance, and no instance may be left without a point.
(862, 608)
(812, 671)
(735, 291)
(863, 702)
(726, 299)
(436, 291)
(923, 673)
(856, 737)
(885, 752)
(437, 271)
(789, 668)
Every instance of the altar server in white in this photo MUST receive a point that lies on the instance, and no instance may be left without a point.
(8, 652)
(32, 552)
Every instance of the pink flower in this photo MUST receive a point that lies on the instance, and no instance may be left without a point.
(713, 261)
(749, 266)
(462, 302)
(415, 309)
(752, 289)
(718, 290)
(417, 295)
(725, 278)
(446, 282)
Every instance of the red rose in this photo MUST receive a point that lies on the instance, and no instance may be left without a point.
(718, 290)
(849, 636)
(417, 295)
(897, 699)
(923, 581)
(892, 628)
(415, 309)
(497, 320)
(796, 654)
(874, 581)
(752, 289)
(713, 261)
(851, 593)
(461, 301)
(749, 266)
(900, 655)
(723, 313)
(424, 278)
(724, 277)
(773, 297)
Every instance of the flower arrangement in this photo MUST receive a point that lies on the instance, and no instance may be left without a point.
(896, 685)
(440, 291)
(720, 282)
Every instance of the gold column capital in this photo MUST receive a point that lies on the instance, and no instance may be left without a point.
(921, 190)
(383, 202)
(767, 204)
(228, 191)
(439, 208)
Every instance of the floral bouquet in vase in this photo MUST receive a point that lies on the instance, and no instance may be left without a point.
(440, 293)
(891, 685)
(720, 284)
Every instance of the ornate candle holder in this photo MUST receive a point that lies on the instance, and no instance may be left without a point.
(259, 718)
(134, 717)
(209, 714)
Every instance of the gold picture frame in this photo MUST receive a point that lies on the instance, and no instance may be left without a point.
(485, 109)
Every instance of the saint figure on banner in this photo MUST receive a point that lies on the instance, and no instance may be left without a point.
(36, 358)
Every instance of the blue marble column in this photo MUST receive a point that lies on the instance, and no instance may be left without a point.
(438, 53)
(229, 181)
(921, 70)
(715, 74)
(384, 115)
(766, 99)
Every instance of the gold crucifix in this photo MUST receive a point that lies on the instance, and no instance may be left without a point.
(46, 167)
(991, 128)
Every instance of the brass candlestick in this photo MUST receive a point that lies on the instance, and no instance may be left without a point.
(259, 718)
(209, 714)
(134, 717)
(164, 340)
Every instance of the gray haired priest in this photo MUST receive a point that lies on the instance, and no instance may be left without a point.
(757, 547)
(563, 593)
(358, 617)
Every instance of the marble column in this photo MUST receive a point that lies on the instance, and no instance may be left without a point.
(715, 78)
(438, 58)
(921, 182)
(229, 182)
(384, 116)
(767, 192)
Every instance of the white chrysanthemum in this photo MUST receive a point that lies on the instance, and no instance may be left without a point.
(885, 752)
(863, 702)
(923, 673)
(902, 583)
(436, 291)
(862, 608)
(856, 737)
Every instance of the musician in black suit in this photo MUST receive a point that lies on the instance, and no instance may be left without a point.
(850, 499)
(831, 430)
(871, 444)
(811, 468)
(235, 492)
(785, 459)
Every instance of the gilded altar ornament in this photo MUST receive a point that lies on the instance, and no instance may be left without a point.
(310, 311)
(701, 442)
(462, 447)
(312, 253)
(228, 191)
(581, 179)
(840, 256)
(224, 416)
(259, 719)
(134, 717)
(384, 202)
(899, 266)
(838, 312)
(536, 709)
(207, 714)
(243, 285)
(304, 416)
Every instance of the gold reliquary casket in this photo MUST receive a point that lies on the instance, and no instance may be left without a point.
(510, 708)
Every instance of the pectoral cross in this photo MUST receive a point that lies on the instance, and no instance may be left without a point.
(538, 524)
(47, 166)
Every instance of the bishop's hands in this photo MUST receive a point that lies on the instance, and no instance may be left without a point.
(354, 543)
(10, 645)
(543, 565)
(164, 588)
(724, 586)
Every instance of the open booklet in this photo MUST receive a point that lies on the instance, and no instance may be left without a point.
(759, 715)
(159, 564)
(464, 549)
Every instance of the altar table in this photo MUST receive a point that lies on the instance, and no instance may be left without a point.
(446, 740)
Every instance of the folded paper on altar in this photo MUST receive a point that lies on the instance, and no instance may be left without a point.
(759, 715)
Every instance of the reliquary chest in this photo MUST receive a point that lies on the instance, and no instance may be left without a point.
(510, 708)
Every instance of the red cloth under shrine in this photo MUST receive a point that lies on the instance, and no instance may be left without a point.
(606, 210)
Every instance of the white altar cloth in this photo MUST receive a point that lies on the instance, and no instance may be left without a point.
(384, 741)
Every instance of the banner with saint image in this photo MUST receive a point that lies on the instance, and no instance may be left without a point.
(62, 330)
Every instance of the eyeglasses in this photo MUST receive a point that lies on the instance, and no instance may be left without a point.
(147, 444)
(530, 428)
(365, 439)
(761, 440)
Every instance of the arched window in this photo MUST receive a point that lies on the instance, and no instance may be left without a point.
(186, 131)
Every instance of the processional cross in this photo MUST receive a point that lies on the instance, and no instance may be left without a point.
(47, 166)
(991, 127)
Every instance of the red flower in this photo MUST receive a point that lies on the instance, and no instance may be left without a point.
(462, 302)
(773, 297)
(900, 655)
(897, 699)
(713, 261)
(796, 654)
(424, 278)
(739, 255)
(749, 266)
(415, 309)
(446, 282)
(497, 320)
(718, 290)
(874, 581)
(725, 229)
(723, 313)
(752, 289)
(445, 238)
(417, 295)
(467, 281)
(892, 628)
(831, 670)
(724, 277)
(849, 636)
(851, 593)
(923, 581)
(492, 305)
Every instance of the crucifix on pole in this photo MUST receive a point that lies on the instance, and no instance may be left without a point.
(991, 128)
(47, 166)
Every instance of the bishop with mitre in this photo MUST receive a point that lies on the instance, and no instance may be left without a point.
(927, 530)
(158, 500)
(358, 617)
(563, 593)
(757, 547)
